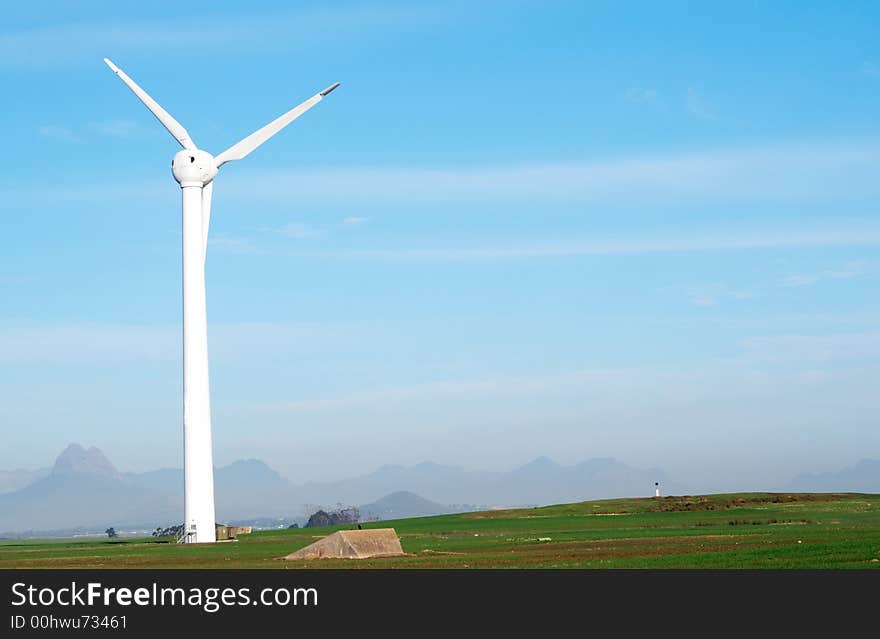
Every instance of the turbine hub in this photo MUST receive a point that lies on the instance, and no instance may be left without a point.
(192, 167)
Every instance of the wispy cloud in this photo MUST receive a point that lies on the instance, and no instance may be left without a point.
(746, 373)
(640, 95)
(827, 171)
(91, 343)
(871, 68)
(298, 231)
(67, 133)
(114, 128)
(69, 343)
(234, 245)
(787, 171)
(714, 241)
(302, 231)
(715, 294)
(696, 105)
(63, 44)
(57, 132)
(848, 271)
(854, 234)
(814, 349)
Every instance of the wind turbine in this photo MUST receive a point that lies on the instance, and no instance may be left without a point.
(195, 169)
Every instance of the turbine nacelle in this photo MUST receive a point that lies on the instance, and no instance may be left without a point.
(193, 167)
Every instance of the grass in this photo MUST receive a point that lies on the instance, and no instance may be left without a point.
(749, 530)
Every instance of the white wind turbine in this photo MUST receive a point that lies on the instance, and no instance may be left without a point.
(195, 169)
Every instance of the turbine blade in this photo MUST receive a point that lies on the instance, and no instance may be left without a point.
(251, 142)
(174, 127)
(207, 192)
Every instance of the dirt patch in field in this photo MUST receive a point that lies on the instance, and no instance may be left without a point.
(723, 502)
(671, 503)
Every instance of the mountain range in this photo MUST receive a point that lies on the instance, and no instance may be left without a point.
(864, 477)
(84, 489)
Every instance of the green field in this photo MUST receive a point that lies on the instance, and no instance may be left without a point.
(754, 530)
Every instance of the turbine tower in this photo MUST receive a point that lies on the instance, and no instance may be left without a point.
(195, 169)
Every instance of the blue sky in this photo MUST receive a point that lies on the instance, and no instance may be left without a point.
(520, 228)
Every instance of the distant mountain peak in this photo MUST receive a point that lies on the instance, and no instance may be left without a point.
(402, 503)
(402, 494)
(539, 464)
(76, 460)
(248, 470)
(251, 461)
(863, 477)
